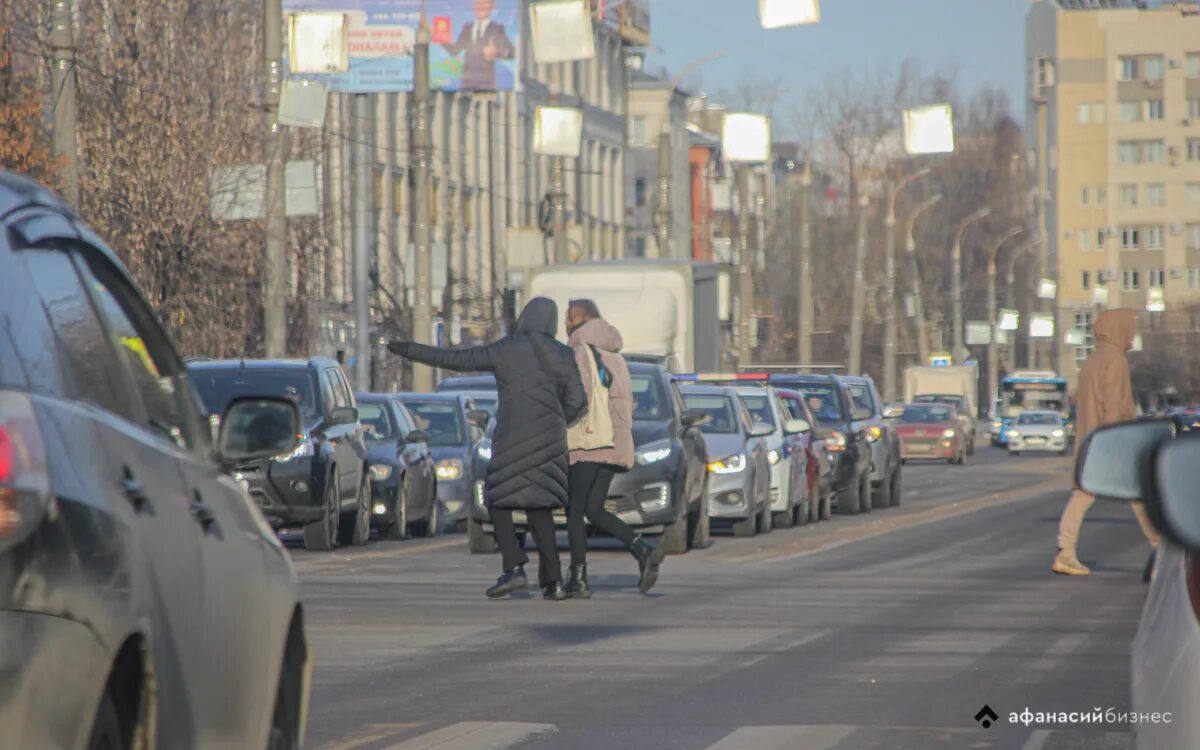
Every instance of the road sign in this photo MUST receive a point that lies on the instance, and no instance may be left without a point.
(940, 359)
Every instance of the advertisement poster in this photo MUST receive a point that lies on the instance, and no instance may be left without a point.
(474, 43)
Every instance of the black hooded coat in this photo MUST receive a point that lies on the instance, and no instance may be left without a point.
(539, 396)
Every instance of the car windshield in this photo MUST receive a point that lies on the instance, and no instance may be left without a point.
(759, 408)
(822, 401)
(938, 398)
(926, 414)
(483, 403)
(648, 401)
(1039, 419)
(722, 419)
(218, 387)
(441, 419)
(376, 420)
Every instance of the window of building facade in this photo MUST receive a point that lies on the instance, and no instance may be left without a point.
(1156, 194)
(1129, 111)
(1130, 238)
(1128, 195)
(1127, 68)
(1193, 236)
(1154, 237)
(1154, 276)
(1153, 68)
(1155, 109)
(1130, 280)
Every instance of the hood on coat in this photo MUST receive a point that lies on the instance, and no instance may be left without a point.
(1116, 328)
(539, 316)
(599, 333)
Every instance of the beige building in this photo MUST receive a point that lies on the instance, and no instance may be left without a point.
(1122, 90)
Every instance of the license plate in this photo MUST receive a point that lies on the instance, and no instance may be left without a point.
(1035, 440)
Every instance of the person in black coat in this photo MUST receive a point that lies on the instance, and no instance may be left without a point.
(540, 394)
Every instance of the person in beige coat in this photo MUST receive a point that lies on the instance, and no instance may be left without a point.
(1105, 396)
(592, 471)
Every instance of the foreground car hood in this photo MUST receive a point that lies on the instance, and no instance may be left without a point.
(382, 453)
(1040, 430)
(648, 431)
(724, 446)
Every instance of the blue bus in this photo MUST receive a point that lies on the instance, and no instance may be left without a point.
(1028, 390)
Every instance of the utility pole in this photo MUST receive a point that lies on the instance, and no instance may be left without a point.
(664, 188)
(275, 265)
(558, 204)
(62, 77)
(960, 349)
(745, 303)
(1043, 359)
(362, 241)
(805, 317)
(889, 298)
(420, 157)
(993, 361)
(914, 270)
(859, 291)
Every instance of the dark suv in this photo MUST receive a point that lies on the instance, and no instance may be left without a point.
(324, 483)
(845, 434)
(882, 437)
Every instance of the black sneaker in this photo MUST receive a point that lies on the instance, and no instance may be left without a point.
(577, 587)
(512, 580)
(554, 591)
(649, 557)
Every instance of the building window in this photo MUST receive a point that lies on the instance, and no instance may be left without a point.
(1129, 152)
(1193, 192)
(1101, 236)
(1194, 278)
(1193, 65)
(1155, 109)
(1128, 195)
(1193, 236)
(1152, 68)
(1154, 237)
(1127, 68)
(1154, 277)
(639, 246)
(1129, 111)
(1130, 238)
(1085, 281)
(1101, 195)
(1156, 152)
(1193, 149)
(1083, 322)
(1156, 194)
(1085, 113)
(1084, 195)
(1130, 280)
(639, 192)
(1194, 108)
(1085, 239)
(637, 132)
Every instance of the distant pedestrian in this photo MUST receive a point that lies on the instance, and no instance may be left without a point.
(601, 446)
(1105, 396)
(540, 394)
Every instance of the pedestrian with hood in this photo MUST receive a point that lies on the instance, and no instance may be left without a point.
(1105, 396)
(540, 394)
(601, 445)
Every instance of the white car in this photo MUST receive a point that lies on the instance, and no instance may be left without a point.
(1038, 431)
(789, 506)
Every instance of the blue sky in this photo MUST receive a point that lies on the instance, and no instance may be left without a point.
(982, 39)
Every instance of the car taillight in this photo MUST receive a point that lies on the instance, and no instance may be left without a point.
(24, 479)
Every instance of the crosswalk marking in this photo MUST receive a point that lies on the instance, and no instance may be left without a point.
(784, 738)
(475, 735)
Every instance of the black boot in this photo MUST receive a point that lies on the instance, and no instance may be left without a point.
(512, 580)
(649, 557)
(577, 587)
(1148, 573)
(554, 591)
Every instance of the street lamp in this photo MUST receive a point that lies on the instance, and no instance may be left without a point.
(915, 272)
(956, 271)
(1024, 250)
(889, 337)
(993, 364)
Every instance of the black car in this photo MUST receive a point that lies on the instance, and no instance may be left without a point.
(141, 592)
(881, 436)
(323, 484)
(403, 487)
(455, 428)
(844, 433)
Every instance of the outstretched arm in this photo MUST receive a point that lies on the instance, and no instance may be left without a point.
(460, 44)
(471, 359)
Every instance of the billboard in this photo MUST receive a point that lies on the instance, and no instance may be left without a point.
(473, 48)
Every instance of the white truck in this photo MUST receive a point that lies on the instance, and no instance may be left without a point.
(955, 384)
(666, 310)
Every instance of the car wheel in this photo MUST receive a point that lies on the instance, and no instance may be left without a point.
(847, 500)
(433, 522)
(894, 493)
(962, 458)
(358, 533)
(747, 527)
(320, 536)
(802, 512)
(479, 542)
(398, 529)
(864, 494)
(674, 539)
(764, 518)
(826, 509)
(785, 519)
(882, 497)
(106, 728)
(287, 716)
(700, 524)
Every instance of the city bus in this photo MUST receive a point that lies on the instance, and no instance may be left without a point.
(1027, 390)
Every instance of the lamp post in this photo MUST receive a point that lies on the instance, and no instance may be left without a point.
(993, 364)
(1012, 295)
(889, 337)
(960, 349)
(856, 305)
(915, 272)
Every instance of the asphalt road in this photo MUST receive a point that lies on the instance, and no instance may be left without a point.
(888, 630)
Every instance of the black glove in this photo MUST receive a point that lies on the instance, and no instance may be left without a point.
(399, 348)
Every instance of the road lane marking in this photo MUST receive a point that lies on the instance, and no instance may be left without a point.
(784, 738)
(1037, 740)
(475, 735)
(334, 558)
(369, 734)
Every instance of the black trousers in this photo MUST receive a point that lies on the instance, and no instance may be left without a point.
(541, 526)
(589, 483)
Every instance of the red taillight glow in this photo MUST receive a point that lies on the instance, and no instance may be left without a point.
(7, 459)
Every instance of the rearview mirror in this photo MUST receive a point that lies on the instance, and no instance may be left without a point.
(693, 419)
(796, 426)
(1172, 504)
(761, 429)
(256, 428)
(893, 412)
(1113, 459)
(479, 418)
(417, 436)
(343, 415)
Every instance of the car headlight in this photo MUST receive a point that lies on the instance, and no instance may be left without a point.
(997, 424)
(449, 469)
(1013, 433)
(660, 450)
(732, 465)
(835, 442)
(484, 450)
(1057, 433)
(302, 449)
(774, 457)
(380, 472)
(874, 432)
(947, 433)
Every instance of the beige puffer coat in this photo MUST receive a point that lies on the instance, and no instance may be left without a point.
(607, 340)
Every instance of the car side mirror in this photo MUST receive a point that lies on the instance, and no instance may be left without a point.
(761, 429)
(1171, 504)
(479, 418)
(893, 412)
(1113, 460)
(256, 428)
(417, 436)
(692, 419)
(343, 415)
(796, 426)
(861, 413)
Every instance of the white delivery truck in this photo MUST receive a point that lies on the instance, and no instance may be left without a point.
(955, 384)
(666, 310)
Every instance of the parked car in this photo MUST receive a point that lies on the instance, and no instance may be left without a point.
(403, 485)
(1044, 431)
(455, 428)
(819, 469)
(323, 485)
(848, 447)
(142, 595)
(883, 440)
(790, 500)
(931, 430)
(739, 478)
(478, 383)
